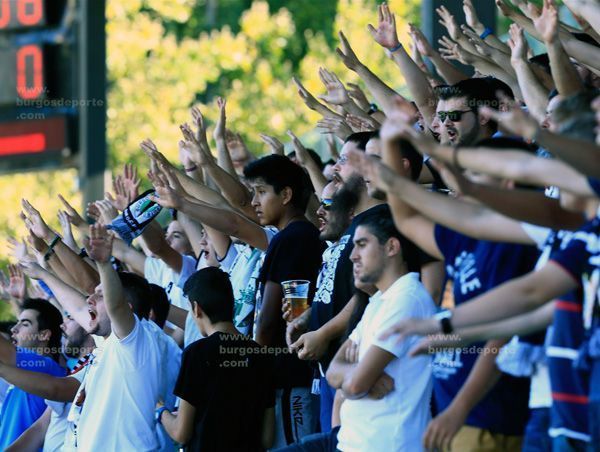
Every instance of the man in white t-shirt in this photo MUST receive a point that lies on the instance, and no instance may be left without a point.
(386, 392)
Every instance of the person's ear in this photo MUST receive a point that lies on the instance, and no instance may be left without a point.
(196, 310)
(286, 195)
(482, 121)
(45, 335)
(392, 247)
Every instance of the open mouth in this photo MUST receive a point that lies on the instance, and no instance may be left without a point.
(93, 315)
(322, 224)
(452, 134)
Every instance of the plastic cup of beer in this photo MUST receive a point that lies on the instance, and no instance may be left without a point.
(295, 292)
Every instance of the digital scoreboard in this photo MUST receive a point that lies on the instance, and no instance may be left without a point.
(38, 84)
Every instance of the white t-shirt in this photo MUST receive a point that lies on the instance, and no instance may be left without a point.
(396, 422)
(55, 435)
(243, 274)
(159, 273)
(114, 407)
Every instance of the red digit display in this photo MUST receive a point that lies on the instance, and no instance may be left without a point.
(4, 13)
(29, 12)
(17, 14)
(32, 137)
(30, 72)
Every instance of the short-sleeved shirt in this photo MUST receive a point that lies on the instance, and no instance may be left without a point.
(294, 253)
(581, 258)
(476, 266)
(158, 272)
(229, 380)
(121, 382)
(21, 409)
(397, 421)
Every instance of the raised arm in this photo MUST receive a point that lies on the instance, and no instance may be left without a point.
(72, 301)
(306, 161)
(120, 313)
(382, 93)
(564, 73)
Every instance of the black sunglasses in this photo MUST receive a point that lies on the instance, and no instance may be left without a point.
(326, 203)
(453, 116)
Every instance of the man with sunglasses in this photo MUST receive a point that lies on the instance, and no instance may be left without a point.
(457, 120)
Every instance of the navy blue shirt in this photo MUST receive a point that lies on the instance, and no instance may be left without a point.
(476, 266)
(594, 184)
(581, 258)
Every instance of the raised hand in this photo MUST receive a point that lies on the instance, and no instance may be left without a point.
(197, 153)
(121, 198)
(385, 34)
(34, 221)
(517, 43)
(32, 269)
(347, 55)
(505, 8)
(302, 154)
(17, 285)
(274, 144)
(447, 20)
(471, 17)
(421, 42)
(37, 245)
(546, 23)
(169, 192)
(92, 211)
(358, 124)
(514, 119)
(452, 51)
(131, 181)
(219, 132)
(309, 100)
(17, 248)
(100, 243)
(200, 129)
(336, 92)
(356, 93)
(74, 218)
(107, 212)
(336, 126)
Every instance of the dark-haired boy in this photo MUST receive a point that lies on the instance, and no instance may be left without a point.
(281, 193)
(225, 379)
(35, 339)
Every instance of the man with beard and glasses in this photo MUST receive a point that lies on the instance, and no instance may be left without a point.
(322, 339)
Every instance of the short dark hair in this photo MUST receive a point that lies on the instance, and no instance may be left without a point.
(137, 293)
(211, 289)
(381, 225)
(48, 318)
(159, 304)
(479, 92)
(280, 172)
(360, 138)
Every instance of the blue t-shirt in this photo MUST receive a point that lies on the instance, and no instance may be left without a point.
(476, 266)
(594, 184)
(570, 386)
(21, 409)
(581, 258)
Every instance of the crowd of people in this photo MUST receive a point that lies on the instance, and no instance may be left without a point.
(451, 246)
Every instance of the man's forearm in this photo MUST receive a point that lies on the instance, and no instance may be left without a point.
(337, 371)
(383, 94)
(84, 275)
(119, 312)
(224, 158)
(337, 326)
(32, 439)
(233, 190)
(534, 93)
(564, 73)
(69, 298)
(37, 383)
(450, 73)
(580, 154)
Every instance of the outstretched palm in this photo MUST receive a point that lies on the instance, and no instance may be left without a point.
(547, 23)
(385, 34)
(100, 243)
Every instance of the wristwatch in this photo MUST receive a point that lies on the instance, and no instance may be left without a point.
(445, 317)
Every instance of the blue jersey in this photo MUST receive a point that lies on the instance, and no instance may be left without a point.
(476, 266)
(21, 409)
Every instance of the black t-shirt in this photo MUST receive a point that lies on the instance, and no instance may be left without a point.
(294, 253)
(229, 380)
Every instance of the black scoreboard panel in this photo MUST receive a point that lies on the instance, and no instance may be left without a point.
(38, 84)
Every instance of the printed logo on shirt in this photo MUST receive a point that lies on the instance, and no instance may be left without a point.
(464, 272)
(326, 279)
(447, 363)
